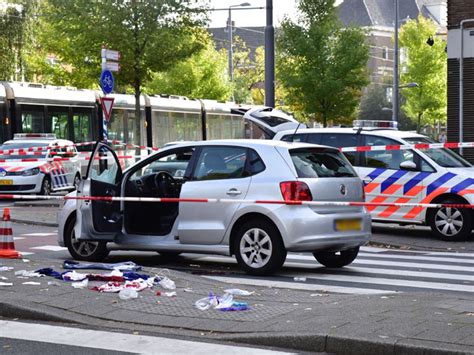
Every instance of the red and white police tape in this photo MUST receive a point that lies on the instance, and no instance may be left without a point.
(408, 146)
(223, 200)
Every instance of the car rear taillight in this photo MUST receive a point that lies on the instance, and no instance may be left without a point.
(295, 191)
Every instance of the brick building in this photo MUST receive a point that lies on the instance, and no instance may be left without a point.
(459, 10)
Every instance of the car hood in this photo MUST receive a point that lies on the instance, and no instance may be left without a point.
(467, 172)
(20, 166)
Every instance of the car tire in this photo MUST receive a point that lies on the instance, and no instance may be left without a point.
(45, 186)
(83, 250)
(336, 258)
(451, 224)
(77, 181)
(258, 247)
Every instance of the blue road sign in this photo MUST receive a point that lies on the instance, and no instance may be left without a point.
(107, 81)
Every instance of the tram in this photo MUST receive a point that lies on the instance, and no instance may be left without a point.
(76, 115)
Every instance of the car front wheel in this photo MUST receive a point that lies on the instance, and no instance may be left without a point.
(258, 247)
(449, 223)
(336, 258)
(45, 186)
(83, 250)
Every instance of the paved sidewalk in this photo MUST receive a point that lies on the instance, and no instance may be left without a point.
(409, 323)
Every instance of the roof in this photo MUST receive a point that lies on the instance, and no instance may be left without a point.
(388, 133)
(376, 12)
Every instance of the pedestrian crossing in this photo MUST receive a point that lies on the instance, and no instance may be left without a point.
(375, 271)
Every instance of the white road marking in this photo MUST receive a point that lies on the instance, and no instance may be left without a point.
(38, 234)
(18, 238)
(49, 248)
(24, 253)
(121, 342)
(300, 286)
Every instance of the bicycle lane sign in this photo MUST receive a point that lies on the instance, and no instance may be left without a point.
(107, 82)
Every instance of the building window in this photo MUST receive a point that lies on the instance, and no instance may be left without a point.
(385, 52)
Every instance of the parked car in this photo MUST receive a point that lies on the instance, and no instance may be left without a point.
(404, 176)
(37, 171)
(259, 235)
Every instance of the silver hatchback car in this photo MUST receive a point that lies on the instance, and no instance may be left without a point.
(258, 234)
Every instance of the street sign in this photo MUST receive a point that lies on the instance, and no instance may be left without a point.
(110, 54)
(107, 104)
(107, 81)
(111, 66)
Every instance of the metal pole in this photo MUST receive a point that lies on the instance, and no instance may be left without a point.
(269, 57)
(461, 84)
(395, 69)
(231, 50)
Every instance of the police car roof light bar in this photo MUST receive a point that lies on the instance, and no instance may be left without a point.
(34, 135)
(373, 124)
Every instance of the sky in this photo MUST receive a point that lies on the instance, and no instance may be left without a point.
(250, 18)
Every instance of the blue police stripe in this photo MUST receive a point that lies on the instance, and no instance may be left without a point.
(414, 181)
(437, 183)
(462, 185)
(376, 173)
(392, 179)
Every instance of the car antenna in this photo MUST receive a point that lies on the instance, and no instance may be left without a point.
(294, 133)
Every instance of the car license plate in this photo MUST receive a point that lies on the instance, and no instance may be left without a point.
(6, 182)
(344, 225)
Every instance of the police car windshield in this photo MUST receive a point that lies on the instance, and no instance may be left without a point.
(443, 157)
(23, 145)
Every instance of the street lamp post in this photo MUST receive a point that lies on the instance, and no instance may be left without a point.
(269, 57)
(230, 30)
(395, 68)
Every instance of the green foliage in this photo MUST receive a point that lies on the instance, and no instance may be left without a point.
(322, 66)
(426, 65)
(16, 25)
(203, 75)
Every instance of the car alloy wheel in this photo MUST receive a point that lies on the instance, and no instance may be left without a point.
(450, 223)
(258, 247)
(46, 187)
(80, 249)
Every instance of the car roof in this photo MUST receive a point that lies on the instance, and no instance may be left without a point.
(250, 143)
(389, 133)
(49, 142)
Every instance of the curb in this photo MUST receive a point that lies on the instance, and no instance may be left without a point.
(35, 223)
(292, 342)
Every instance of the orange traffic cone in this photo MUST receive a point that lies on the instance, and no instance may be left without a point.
(7, 245)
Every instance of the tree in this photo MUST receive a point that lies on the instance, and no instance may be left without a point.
(203, 75)
(322, 66)
(151, 35)
(426, 66)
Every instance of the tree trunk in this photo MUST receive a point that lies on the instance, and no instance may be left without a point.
(418, 125)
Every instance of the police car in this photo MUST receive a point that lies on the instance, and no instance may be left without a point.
(38, 164)
(403, 176)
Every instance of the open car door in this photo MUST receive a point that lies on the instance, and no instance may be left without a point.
(269, 120)
(96, 219)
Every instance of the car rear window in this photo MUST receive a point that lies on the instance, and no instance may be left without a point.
(321, 162)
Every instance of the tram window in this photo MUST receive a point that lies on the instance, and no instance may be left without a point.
(59, 123)
(116, 129)
(238, 126)
(82, 128)
(32, 119)
(160, 126)
(215, 124)
(133, 133)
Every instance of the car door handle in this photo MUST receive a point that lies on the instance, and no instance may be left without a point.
(234, 192)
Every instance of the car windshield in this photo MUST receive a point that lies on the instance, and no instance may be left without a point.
(317, 162)
(23, 145)
(442, 156)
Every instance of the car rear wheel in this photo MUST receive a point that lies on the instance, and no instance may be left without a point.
(45, 186)
(449, 223)
(336, 258)
(258, 247)
(83, 250)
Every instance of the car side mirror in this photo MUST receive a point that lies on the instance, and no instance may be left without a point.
(408, 165)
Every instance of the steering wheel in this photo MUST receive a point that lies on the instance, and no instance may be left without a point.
(166, 184)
